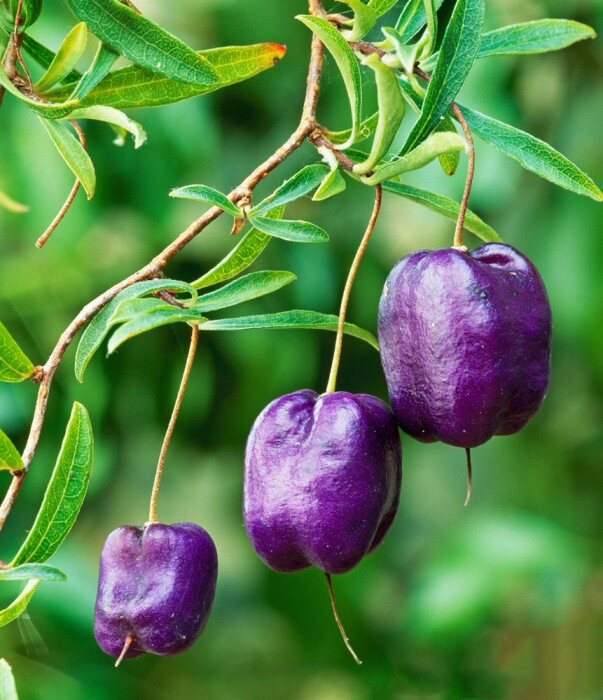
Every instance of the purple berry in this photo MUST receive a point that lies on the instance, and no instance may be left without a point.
(465, 343)
(322, 480)
(156, 588)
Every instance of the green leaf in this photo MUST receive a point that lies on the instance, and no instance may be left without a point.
(151, 320)
(364, 20)
(134, 86)
(444, 206)
(65, 492)
(539, 36)
(459, 47)
(11, 205)
(26, 572)
(532, 154)
(240, 257)
(73, 153)
(391, 113)
(17, 607)
(428, 41)
(66, 58)
(366, 129)
(101, 65)
(30, 11)
(142, 41)
(296, 231)
(251, 286)
(302, 183)
(413, 18)
(433, 146)
(9, 456)
(44, 56)
(208, 195)
(333, 184)
(114, 117)
(381, 6)
(347, 64)
(449, 162)
(8, 689)
(97, 330)
(289, 319)
(49, 111)
(15, 366)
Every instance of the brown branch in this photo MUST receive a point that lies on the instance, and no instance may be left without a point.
(155, 267)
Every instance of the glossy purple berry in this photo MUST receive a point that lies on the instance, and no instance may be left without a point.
(322, 480)
(156, 588)
(465, 343)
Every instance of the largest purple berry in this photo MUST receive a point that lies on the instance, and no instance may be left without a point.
(322, 480)
(465, 343)
(156, 588)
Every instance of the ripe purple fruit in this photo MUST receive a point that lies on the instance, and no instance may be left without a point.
(322, 480)
(465, 343)
(156, 588)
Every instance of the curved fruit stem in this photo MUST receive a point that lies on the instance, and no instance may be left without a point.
(128, 640)
(171, 425)
(344, 636)
(458, 232)
(469, 475)
(348, 290)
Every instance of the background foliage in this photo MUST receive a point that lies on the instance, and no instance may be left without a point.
(497, 601)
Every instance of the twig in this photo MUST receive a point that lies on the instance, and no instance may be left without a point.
(155, 267)
(348, 290)
(69, 201)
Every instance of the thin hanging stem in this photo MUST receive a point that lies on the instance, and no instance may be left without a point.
(170, 429)
(69, 201)
(127, 642)
(342, 631)
(348, 290)
(469, 475)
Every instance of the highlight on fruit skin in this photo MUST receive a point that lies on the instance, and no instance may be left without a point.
(465, 343)
(156, 588)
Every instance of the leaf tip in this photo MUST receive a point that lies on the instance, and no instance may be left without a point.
(278, 50)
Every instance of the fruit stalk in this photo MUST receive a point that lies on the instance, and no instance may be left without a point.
(172, 424)
(348, 290)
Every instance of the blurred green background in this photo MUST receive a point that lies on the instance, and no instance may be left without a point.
(499, 600)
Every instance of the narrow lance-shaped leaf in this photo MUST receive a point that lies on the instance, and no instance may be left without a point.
(413, 18)
(114, 117)
(142, 41)
(15, 366)
(26, 572)
(435, 145)
(427, 44)
(366, 129)
(9, 457)
(391, 113)
(101, 65)
(96, 331)
(73, 153)
(65, 492)
(381, 6)
(444, 206)
(457, 54)
(43, 56)
(30, 11)
(11, 205)
(333, 184)
(8, 689)
(251, 286)
(296, 231)
(364, 20)
(538, 36)
(49, 111)
(66, 58)
(18, 606)
(134, 86)
(449, 162)
(531, 153)
(347, 64)
(302, 183)
(207, 195)
(296, 319)
(240, 257)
